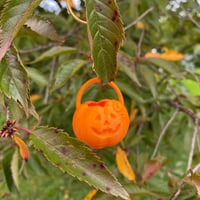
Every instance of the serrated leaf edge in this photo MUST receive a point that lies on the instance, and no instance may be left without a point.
(86, 148)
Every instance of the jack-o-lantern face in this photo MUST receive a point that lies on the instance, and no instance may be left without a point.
(107, 120)
(100, 124)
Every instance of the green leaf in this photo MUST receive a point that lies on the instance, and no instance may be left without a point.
(12, 19)
(14, 79)
(73, 157)
(149, 78)
(7, 171)
(43, 27)
(54, 51)
(192, 86)
(127, 65)
(135, 190)
(102, 196)
(14, 168)
(16, 109)
(37, 165)
(32, 110)
(66, 71)
(187, 193)
(106, 34)
(37, 76)
(129, 89)
(168, 66)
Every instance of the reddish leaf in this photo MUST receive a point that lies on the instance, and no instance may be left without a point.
(150, 168)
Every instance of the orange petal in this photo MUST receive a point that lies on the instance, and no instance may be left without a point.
(152, 55)
(140, 25)
(169, 54)
(124, 165)
(23, 149)
(34, 97)
(175, 56)
(90, 195)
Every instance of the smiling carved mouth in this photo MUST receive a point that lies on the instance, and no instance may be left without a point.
(107, 131)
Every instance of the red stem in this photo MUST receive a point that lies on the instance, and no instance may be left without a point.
(24, 129)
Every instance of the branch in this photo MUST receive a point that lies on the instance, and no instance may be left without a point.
(139, 18)
(140, 43)
(139, 130)
(38, 48)
(194, 137)
(21, 168)
(182, 185)
(188, 111)
(24, 129)
(195, 168)
(8, 112)
(163, 132)
(178, 191)
(191, 18)
(50, 80)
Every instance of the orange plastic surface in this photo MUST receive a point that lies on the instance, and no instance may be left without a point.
(103, 123)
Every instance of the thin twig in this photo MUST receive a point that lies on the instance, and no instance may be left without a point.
(178, 191)
(198, 144)
(188, 111)
(24, 129)
(50, 80)
(139, 18)
(140, 43)
(195, 168)
(38, 48)
(191, 18)
(72, 32)
(139, 130)
(194, 75)
(182, 185)
(8, 112)
(138, 133)
(195, 134)
(22, 167)
(163, 132)
(193, 21)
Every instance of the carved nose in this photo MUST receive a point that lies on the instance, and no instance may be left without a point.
(106, 122)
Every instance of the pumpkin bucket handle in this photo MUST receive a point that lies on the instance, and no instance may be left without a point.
(96, 80)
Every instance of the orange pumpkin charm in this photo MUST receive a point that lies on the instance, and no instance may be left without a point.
(103, 123)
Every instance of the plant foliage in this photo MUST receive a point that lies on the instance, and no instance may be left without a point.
(150, 49)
